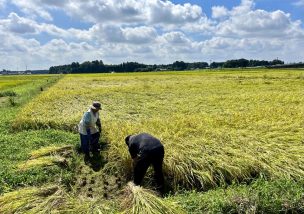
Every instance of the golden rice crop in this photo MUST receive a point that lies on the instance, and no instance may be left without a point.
(216, 127)
(7, 84)
(16, 80)
(139, 200)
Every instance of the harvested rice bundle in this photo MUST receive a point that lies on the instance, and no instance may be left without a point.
(139, 200)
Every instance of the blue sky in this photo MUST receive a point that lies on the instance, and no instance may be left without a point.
(269, 5)
(42, 33)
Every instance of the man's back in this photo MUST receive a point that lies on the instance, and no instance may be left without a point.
(146, 150)
(143, 143)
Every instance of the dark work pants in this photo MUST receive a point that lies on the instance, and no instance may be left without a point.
(155, 158)
(89, 144)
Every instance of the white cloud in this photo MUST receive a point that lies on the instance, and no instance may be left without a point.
(149, 31)
(118, 11)
(100, 11)
(2, 4)
(34, 8)
(219, 12)
(40, 8)
(20, 25)
(299, 3)
(203, 26)
(16, 24)
(117, 34)
(175, 38)
(17, 52)
(141, 34)
(245, 45)
(244, 7)
(14, 49)
(164, 12)
(260, 24)
(12, 44)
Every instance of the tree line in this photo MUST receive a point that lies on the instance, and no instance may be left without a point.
(244, 63)
(98, 66)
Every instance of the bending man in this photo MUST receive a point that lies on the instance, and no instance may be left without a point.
(146, 150)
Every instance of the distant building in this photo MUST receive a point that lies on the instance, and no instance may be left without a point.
(161, 69)
(27, 72)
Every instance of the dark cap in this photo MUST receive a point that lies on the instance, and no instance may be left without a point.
(96, 105)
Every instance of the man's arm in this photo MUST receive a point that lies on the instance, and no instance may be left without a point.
(98, 123)
(87, 120)
(133, 150)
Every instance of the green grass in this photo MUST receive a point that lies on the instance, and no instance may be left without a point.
(8, 94)
(16, 147)
(281, 196)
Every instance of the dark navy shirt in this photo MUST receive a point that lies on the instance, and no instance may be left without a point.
(142, 143)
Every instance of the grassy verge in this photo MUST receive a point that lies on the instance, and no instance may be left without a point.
(16, 147)
(280, 196)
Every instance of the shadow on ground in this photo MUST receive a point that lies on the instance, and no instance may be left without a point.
(96, 162)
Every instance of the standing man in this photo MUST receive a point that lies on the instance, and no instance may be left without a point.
(89, 130)
(146, 150)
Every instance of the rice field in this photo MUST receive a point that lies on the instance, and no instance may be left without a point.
(220, 129)
(7, 82)
(216, 127)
